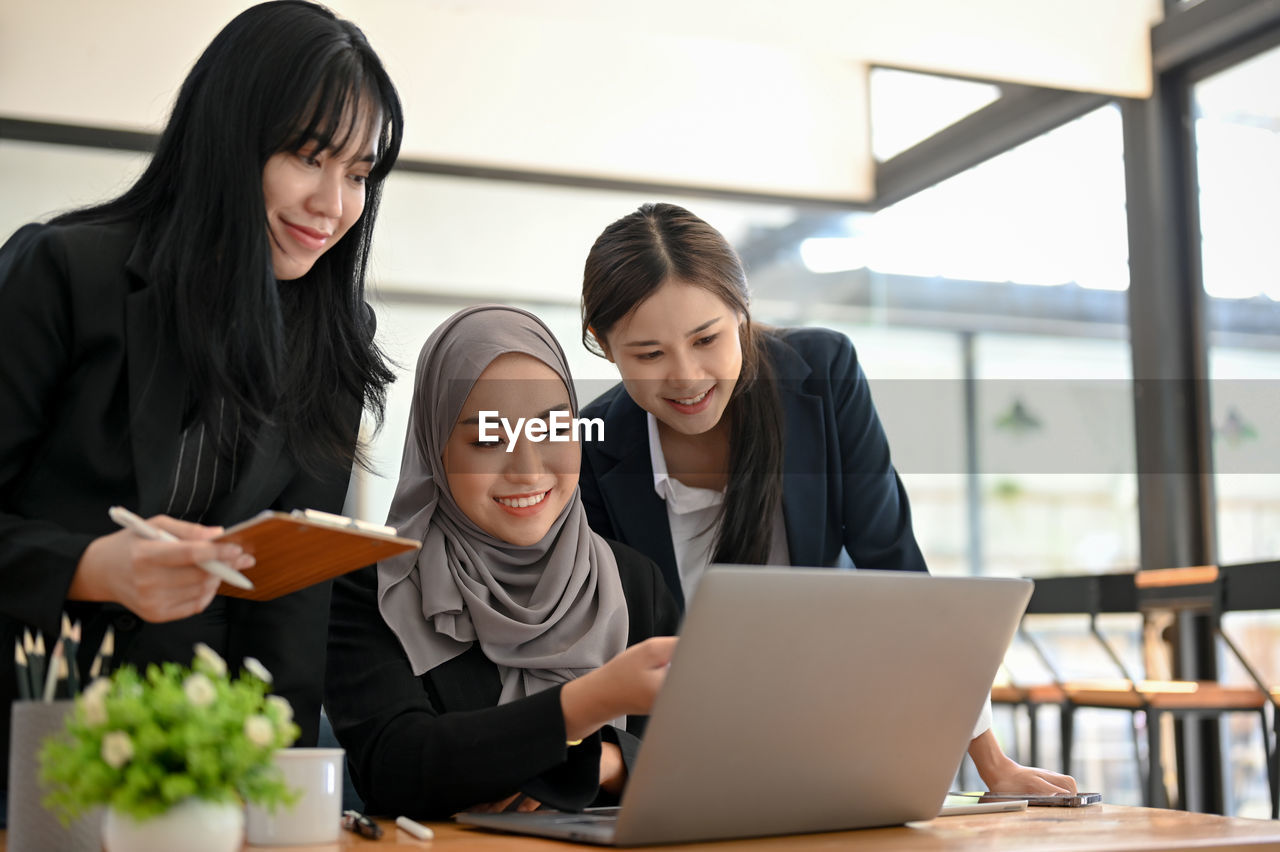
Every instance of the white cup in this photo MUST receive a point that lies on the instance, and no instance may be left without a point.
(316, 816)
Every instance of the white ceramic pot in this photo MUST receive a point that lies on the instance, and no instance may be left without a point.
(315, 774)
(192, 826)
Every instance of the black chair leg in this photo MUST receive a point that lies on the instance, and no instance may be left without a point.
(1141, 764)
(1015, 735)
(1066, 723)
(1273, 759)
(1033, 733)
(1017, 730)
(1157, 796)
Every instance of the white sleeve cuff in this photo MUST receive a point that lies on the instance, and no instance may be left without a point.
(984, 720)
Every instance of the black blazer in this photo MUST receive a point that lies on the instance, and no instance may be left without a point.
(433, 745)
(839, 488)
(91, 406)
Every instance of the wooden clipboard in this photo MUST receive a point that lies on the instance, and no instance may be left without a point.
(305, 547)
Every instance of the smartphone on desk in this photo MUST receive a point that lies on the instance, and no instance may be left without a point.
(1051, 800)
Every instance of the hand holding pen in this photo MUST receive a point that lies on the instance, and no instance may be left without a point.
(159, 580)
(151, 532)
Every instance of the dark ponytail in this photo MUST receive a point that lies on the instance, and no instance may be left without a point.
(633, 258)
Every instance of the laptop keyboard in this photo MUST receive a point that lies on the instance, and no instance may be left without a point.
(586, 819)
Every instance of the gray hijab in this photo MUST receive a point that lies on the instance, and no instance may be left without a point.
(545, 613)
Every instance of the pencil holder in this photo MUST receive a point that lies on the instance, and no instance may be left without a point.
(32, 828)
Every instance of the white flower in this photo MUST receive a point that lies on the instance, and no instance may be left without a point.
(199, 690)
(254, 667)
(93, 701)
(211, 659)
(117, 749)
(259, 730)
(282, 706)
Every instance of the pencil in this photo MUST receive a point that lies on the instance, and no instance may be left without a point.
(108, 650)
(20, 665)
(73, 661)
(101, 666)
(36, 662)
(51, 679)
(62, 686)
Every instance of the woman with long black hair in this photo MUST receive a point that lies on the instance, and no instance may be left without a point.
(734, 443)
(199, 349)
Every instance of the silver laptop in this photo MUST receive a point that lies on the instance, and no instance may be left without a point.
(803, 700)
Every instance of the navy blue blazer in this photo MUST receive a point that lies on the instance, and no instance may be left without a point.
(839, 488)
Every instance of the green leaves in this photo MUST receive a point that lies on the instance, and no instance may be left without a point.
(141, 744)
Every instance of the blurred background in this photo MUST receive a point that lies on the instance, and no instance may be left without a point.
(1051, 231)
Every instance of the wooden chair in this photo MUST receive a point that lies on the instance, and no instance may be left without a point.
(1200, 590)
(1151, 592)
(1091, 595)
(1253, 587)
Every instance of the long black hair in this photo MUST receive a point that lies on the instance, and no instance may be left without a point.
(280, 76)
(629, 261)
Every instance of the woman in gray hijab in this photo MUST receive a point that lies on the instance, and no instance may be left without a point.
(511, 657)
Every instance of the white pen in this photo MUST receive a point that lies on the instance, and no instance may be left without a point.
(417, 829)
(216, 567)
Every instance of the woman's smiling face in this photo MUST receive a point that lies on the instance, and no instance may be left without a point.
(680, 355)
(514, 496)
(313, 196)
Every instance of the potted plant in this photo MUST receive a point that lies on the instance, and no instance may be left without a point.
(173, 755)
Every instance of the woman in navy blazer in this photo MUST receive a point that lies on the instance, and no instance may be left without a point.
(727, 442)
(839, 489)
(198, 350)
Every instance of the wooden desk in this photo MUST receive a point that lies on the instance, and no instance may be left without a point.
(1113, 828)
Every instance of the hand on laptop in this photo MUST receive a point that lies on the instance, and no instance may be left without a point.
(613, 769)
(1001, 773)
(624, 686)
(515, 802)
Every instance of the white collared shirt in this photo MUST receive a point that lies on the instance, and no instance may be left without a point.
(693, 515)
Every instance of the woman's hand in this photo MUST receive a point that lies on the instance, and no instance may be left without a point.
(157, 580)
(613, 770)
(1016, 778)
(1002, 774)
(624, 686)
(613, 774)
(515, 802)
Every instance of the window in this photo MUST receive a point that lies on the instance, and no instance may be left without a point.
(1021, 263)
(1237, 156)
(907, 107)
(1237, 138)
